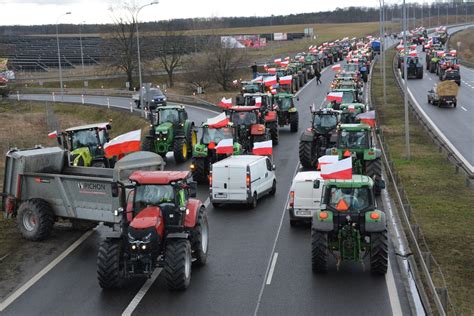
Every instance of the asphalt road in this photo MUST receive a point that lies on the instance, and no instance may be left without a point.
(243, 243)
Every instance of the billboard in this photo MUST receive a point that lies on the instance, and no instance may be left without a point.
(280, 36)
(243, 41)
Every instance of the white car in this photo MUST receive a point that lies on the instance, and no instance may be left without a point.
(305, 196)
(241, 179)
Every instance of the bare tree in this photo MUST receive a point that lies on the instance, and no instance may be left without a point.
(173, 46)
(197, 70)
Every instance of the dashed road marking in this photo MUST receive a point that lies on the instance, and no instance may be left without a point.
(272, 268)
(464, 108)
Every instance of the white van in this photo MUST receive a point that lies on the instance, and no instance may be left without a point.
(305, 196)
(241, 179)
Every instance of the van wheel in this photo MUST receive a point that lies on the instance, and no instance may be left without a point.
(253, 204)
(274, 188)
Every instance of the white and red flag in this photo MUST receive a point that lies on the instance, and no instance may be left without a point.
(335, 96)
(286, 80)
(272, 71)
(225, 146)
(413, 53)
(413, 46)
(341, 169)
(123, 144)
(218, 121)
(287, 58)
(53, 134)
(277, 61)
(258, 79)
(270, 81)
(367, 118)
(263, 148)
(284, 63)
(258, 101)
(327, 160)
(225, 103)
(336, 67)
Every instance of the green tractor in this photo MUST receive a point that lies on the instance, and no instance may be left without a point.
(434, 60)
(286, 111)
(349, 226)
(355, 140)
(251, 86)
(205, 154)
(170, 130)
(315, 140)
(350, 111)
(86, 145)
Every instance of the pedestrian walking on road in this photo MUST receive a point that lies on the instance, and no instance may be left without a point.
(317, 73)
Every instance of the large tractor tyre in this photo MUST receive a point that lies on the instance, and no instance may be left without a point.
(294, 120)
(373, 169)
(35, 219)
(191, 139)
(177, 265)
(305, 77)
(301, 79)
(147, 144)
(432, 68)
(379, 253)
(274, 133)
(200, 173)
(319, 251)
(180, 150)
(306, 154)
(200, 239)
(110, 266)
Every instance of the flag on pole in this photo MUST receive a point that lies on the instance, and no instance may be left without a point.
(225, 103)
(413, 46)
(270, 81)
(286, 80)
(413, 53)
(258, 79)
(327, 160)
(277, 61)
(122, 144)
(336, 67)
(367, 118)
(53, 134)
(341, 169)
(284, 63)
(218, 121)
(258, 101)
(272, 71)
(225, 146)
(335, 96)
(263, 148)
(287, 58)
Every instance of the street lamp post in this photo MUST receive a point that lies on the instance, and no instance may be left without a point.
(82, 52)
(405, 77)
(59, 54)
(138, 51)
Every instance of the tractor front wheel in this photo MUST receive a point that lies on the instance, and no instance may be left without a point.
(319, 251)
(379, 253)
(200, 239)
(147, 144)
(180, 150)
(110, 267)
(294, 122)
(35, 219)
(306, 154)
(177, 265)
(200, 172)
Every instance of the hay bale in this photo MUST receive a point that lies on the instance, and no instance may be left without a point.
(447, 88)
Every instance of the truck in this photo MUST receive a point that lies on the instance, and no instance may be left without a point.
(305, 197)
(241, 180)
(444, 93)
(376, 47)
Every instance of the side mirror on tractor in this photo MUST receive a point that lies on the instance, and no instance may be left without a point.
(316, 184)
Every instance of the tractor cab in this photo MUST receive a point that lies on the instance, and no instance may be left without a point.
(325, 121)
(350, 67)
(348, 95)
(261, 100)
(287, 113)
(350, 112)
(86, 144)
(176, 115)
(250, 125)
(251, 87)
(349, 196)
(353, 138)
(284, 102)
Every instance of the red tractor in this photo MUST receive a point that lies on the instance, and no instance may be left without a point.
(249, 125)
(163, 225)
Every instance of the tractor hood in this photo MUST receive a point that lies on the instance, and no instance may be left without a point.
(164, 127)
(148, 217)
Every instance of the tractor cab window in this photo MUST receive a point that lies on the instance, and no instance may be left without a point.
(358, 139)
(345, 199)
(168, 115)
(84, 138)
(103, 136)
(244, 118)
(153, 195)
(348, 97)
(216, 134)
(284, 103)
(325, 121)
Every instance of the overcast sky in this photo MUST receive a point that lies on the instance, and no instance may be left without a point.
(29, 12)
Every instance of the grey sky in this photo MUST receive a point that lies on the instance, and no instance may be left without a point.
(28, 12)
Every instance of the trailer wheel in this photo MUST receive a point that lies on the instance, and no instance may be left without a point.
(177, 265)
(35, 219)
(110, 267)
(200, 239)
(319, 251)
(294, 122)
(180, 150)
(379, 253)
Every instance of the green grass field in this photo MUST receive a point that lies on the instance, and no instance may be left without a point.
(466, 48)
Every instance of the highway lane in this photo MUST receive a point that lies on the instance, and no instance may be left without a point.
(241, 245)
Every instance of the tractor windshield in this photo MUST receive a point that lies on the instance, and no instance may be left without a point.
(284, 103)
(354, 139)
(348, 97)
(349, 199)
(147, 195)
(351, 67)
(216, 134)
(325, 121)
(244, 118)
(84, 138)
(168, 115)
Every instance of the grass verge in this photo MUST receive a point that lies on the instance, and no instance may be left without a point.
(466, 48)
(441, 203)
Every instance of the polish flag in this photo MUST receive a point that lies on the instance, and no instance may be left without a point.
(336, 67)
(219, 121)
(413, 46)
(53, 134)
(235, 82)
(273, 91)
(413, 53)
(351, 108)
(301, 59)
(258, 101)
(284, 63)
(263, 148)
(325, 44)
(400, 47)
(277, 61)
(286, 80)
(225, 146)
(453, 52)
(310, 47)
(258, 79)
(427, 46)
(341, 169)
(334, 96)
(272, 71)
(270, 81)
(327, 160)
(367, 118)
(440, 54)
(265, 66)
(225, 103)
(287, 58)
(122, 144)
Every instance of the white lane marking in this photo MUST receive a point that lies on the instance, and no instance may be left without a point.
(272, 268)
(274, 246)
(429, 78)
(207, 202)
(199, 108)
(392, 291)
(141, 293)
(45, 270)
(464, 108)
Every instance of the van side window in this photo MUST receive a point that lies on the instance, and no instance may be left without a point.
(269, 165)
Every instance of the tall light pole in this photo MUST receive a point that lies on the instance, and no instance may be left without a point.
(405, 77)
(82, 52)
(382, 48)
(438, 13)
(59, 54)
(138, 50)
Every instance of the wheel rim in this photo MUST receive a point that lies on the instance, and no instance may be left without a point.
(29, 221)
(187, 266)
(185, 150)
(193, 139)
(204, 237)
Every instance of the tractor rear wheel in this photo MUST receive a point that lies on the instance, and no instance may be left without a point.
(200, 239)
(177, 265)
(274, 133)
(200, 171)
(306, 154)
(147, 144)
(110, 267)
(294, 122)
(319, 251)
(180, 150)
(373, 169)
(35, 219)
(379, 253)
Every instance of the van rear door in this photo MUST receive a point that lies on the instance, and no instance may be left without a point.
(229, 182)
